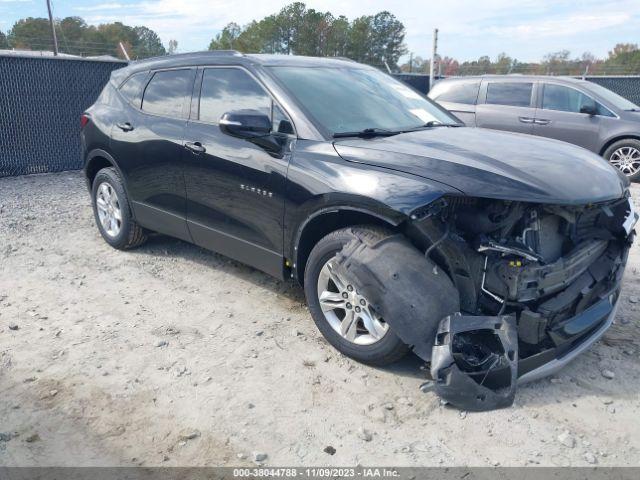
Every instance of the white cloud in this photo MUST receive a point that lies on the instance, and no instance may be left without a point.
(193, 23)
(101, 6)
(562, 27)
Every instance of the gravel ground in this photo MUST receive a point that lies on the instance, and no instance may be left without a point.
(171, 355)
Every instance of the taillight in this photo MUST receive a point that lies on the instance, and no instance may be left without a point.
(84, 119)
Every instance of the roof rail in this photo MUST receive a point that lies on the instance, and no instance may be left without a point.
(225, 52)
(191, 54)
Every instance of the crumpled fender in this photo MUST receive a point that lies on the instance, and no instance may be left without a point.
(466, 353)
(409, 291)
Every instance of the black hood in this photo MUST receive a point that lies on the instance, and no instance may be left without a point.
(493, 164)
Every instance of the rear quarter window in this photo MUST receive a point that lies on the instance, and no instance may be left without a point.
(131, 89)
(107, 95)
(465, 92)
(516, 94)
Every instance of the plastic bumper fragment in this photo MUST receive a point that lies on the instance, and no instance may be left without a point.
(474, 363)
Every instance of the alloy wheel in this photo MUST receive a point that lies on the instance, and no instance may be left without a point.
(346, 310)
(627, 160)
(109, 211)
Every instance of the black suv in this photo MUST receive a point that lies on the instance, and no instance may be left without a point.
(495, 256)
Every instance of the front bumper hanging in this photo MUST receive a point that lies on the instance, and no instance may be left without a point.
(474, 362)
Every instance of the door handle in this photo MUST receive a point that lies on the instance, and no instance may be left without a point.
(526, 119)
(195, 147)
(542, 121)
(125, 127)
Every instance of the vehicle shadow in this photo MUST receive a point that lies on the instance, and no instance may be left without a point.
(410, 366)
(158, 245)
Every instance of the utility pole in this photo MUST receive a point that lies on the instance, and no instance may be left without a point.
(434, 53)
(411, 62)
(53, 29)
(124, 51)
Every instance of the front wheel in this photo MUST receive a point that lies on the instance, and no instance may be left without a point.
(341, 313)
(625, 156)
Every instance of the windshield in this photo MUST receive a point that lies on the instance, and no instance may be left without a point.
(352, 99)
(613, 98)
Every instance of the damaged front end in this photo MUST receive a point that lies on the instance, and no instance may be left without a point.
(540, 282)
(503, 292)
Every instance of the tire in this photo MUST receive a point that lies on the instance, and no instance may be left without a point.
(126, 233)
(632, 170)
(384, 351)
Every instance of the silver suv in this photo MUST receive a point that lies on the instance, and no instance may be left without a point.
(568, 109)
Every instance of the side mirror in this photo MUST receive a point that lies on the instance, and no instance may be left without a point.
(245, 124)
(589, 109)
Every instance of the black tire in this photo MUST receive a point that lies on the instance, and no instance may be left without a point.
(385, 351)
(628, 142)
(131, 234)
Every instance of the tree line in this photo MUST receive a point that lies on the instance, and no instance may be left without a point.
(623, 59)
(379, 40)
(76, 37)
(373, 39)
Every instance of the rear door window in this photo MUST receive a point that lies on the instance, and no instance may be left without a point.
(515, 94)
(131, 89)
(465, 92)
(168, 93)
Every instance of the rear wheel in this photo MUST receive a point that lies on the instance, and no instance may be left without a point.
(113, 213)
(342, 314)
(625, 156)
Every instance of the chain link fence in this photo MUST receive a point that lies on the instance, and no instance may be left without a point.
(41, 100)
(625, 86)
(418, 81)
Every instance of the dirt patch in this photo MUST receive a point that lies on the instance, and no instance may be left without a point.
(172, 355)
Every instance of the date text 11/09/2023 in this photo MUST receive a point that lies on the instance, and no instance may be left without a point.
(321, 472)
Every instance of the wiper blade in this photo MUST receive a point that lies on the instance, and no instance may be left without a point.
(433, 124)
(632, 110)
(382, 132)
(367, 133)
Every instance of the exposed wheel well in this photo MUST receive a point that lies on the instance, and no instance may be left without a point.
(94, 166)
(323, 224)
(617, 139)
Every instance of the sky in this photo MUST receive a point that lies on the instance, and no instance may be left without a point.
(524, 29)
